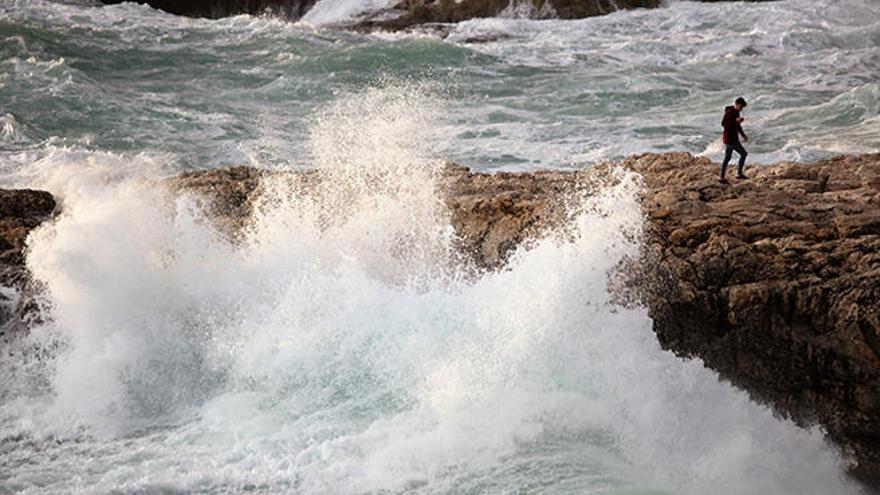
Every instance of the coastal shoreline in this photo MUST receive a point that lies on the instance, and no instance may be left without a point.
(772, 281)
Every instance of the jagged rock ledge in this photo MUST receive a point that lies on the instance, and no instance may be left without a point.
(773, 281)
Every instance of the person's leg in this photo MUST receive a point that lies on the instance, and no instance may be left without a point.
(728, 153)
(742, 159)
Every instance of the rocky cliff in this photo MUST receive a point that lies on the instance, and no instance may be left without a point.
(773, 281)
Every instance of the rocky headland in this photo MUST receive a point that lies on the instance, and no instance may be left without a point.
(773, 281)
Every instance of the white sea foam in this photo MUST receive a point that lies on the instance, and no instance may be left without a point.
(337, 12)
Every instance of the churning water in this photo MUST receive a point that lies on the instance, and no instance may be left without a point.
(341, 346)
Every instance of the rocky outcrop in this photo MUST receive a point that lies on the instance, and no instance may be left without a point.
(20, 212)
(492, 213)
(215, 9)
(403, 14)
(408, 13)
(772, 281)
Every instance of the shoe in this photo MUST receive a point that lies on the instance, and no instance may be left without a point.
(742, 176)
(723, 181)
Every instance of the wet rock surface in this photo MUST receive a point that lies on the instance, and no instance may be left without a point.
(215, 9)
(21, 210)
(405, 14)
(409, 13)
(772, 281)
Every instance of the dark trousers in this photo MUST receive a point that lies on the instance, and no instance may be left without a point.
(728, 152)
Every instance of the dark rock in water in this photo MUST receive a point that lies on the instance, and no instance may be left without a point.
(215, 9)
(20, 212)
(404, 14)
(415, 12)
(772, 281)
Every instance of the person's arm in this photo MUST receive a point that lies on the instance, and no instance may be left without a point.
(729, 120)
(739, 130)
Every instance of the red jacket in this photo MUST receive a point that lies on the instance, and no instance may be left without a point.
(732, 128)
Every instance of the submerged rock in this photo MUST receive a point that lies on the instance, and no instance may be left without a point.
(772, 281)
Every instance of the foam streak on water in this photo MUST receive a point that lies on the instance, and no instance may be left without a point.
(341, 347)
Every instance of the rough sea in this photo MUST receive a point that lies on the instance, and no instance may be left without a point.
(333, 358)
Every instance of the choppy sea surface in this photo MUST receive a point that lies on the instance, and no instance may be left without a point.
(346, 349)
(518, 93)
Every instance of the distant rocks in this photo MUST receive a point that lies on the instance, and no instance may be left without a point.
(408, 13)
(404, 14)
(773, 281)
(215, 9)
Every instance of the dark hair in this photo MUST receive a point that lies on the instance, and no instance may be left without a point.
(741, 101)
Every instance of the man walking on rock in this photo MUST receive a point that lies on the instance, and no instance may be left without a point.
(732, 124)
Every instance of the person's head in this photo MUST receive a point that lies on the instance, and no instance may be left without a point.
(740, 103)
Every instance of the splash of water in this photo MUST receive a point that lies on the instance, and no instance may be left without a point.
(339, 12)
